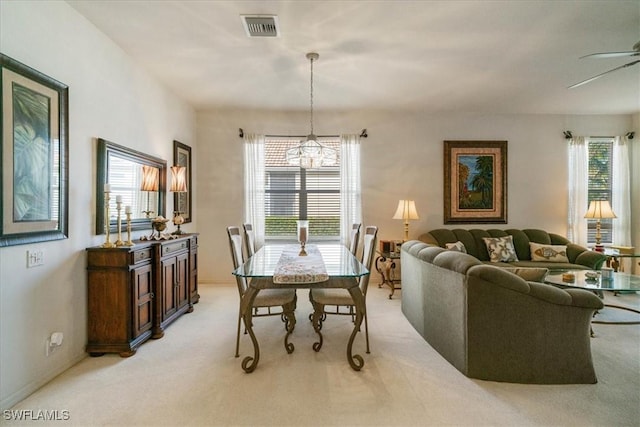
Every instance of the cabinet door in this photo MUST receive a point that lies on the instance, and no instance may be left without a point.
(142, 299)
(169, 275)
(182, 280)
(193, 277)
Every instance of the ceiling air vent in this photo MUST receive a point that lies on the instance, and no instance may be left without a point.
(261, 25)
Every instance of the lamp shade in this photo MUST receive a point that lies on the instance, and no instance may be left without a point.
(150, 178)
(178, 179)
(599, 209)
(406, 210)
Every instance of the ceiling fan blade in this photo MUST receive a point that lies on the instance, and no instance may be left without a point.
(612, 54)
(602, 74)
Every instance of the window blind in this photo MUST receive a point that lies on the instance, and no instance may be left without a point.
(292, 193)
(600, 179)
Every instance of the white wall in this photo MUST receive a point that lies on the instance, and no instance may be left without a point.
(401, 158)
(109, 97)
(635, 190)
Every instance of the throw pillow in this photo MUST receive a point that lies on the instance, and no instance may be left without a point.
(456, 247)
(548, 253)
(500, 249)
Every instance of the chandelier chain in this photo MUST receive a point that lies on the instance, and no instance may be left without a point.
(311, 97)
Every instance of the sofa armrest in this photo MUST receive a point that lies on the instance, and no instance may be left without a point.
(591, 259)
(541, 291)
(573, 297)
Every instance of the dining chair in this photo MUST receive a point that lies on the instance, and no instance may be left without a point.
(249, 239)
(354, 237)
(266, 298)
(341, 298)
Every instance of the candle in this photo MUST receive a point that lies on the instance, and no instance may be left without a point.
(127, 209)
(118, 199)
(107, 188)
(303, 234)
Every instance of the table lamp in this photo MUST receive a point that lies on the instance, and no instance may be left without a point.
(150, 182)
(599, 209)
(178, 185)
(406, 210)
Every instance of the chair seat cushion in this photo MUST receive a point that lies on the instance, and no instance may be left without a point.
(274, 297)
(331, 296)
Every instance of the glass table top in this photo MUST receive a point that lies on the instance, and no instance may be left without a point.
(618, 282)
(338, 260)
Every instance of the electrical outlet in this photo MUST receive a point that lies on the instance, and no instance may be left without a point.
(35, 258)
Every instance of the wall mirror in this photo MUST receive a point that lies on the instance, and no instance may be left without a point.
(126, 172)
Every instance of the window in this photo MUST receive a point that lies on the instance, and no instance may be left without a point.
(600, 184)
(293, 193)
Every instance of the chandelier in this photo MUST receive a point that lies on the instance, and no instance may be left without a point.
(311, 153)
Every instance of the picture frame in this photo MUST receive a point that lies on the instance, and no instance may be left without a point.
(475, 182)
(34, 184)
(182, 201)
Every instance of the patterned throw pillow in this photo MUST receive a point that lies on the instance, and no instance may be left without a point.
(549, 253)
(456, 247)
(500, 249)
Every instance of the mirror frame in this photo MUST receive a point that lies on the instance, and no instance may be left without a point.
(105, 149)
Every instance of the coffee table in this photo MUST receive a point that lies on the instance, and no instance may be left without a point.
(618, 282)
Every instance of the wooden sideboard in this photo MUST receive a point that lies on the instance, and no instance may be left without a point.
(135, 292)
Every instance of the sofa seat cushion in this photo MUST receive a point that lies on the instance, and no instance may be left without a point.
(530, 274)
(549, 265)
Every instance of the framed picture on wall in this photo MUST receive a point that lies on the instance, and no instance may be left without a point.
(35, 143)
(182, 201)
(475, 182)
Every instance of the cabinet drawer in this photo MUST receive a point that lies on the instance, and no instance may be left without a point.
(170, 248)
(141, 255)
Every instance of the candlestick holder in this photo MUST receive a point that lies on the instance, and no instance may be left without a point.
(303, 234)
(119, 242)
(129, 242)
(107, 225)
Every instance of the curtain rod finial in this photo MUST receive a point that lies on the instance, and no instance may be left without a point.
(240, 133)
(630, 135)
(567, 134)
(363, 134)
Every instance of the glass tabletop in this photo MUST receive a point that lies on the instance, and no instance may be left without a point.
(624, 253)
(619, 281)
(338, 260)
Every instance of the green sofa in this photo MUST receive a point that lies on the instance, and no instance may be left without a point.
(493, 325)
(579, 257)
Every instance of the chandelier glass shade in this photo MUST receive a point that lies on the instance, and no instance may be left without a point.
(310, 153)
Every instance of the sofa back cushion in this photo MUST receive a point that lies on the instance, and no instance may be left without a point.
(472, 240)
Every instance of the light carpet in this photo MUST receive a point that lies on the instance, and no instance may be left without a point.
(190, 377)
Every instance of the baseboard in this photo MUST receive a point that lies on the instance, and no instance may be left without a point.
(30, 388)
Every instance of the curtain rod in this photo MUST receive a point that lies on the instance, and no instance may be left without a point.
(363, 134)
(568, 135)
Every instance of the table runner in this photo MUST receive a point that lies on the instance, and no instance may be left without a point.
(294, 269)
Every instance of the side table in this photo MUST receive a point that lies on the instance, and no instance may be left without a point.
(386, 264)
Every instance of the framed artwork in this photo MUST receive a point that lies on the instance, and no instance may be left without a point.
(475, 182)
(34, 181)
(182, 201)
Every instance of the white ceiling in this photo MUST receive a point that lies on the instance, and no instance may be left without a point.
(436, 56)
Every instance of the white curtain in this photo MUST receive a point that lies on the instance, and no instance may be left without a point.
(254, 185)
(621, 192)
(578, 190)
(350, 192)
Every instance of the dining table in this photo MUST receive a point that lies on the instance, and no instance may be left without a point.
(280, 266)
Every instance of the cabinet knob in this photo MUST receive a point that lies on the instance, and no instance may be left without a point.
(153, 295)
